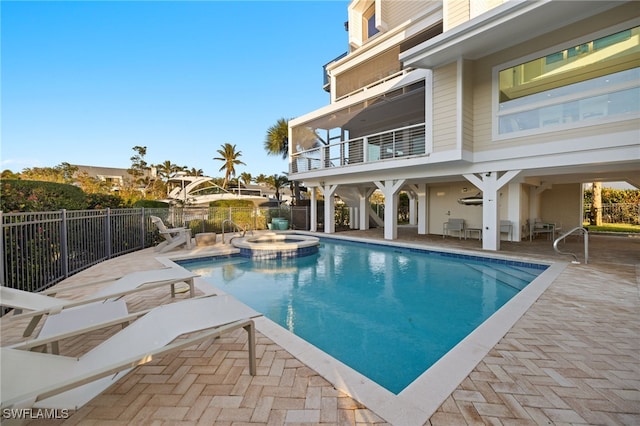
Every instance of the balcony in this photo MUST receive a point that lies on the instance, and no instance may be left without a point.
(398, 143)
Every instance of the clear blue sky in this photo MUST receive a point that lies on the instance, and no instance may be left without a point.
(85, 82)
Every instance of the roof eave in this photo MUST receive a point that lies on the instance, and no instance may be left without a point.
(505, 26)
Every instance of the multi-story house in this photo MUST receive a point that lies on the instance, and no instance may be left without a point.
(517, 102)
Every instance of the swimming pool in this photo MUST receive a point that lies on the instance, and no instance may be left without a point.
(387, 312)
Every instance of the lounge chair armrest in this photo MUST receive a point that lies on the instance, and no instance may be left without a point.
(143, 287)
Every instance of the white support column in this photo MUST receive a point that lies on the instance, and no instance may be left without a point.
(363, 210)
(423, 208)
(390, 189)
(413, 202)
(329, 208)
(353, 218)
(489, 183)
(513, 210)
(313, 226)
(420, 193)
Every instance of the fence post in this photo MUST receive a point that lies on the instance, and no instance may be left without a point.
(2, 250)
(64, 248)
(107, 231)
(143, 227)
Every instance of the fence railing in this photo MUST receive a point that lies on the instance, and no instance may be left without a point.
(616, 213)
(41, 249)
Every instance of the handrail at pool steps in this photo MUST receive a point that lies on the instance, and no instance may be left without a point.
(244, 230)
(586, 244)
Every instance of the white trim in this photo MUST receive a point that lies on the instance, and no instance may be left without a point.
(459, 103)
(428, 112)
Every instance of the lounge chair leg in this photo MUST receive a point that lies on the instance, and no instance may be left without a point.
(251, 333)
(192, 290)
(32, 326)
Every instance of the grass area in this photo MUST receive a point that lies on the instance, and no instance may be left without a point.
(613, 227)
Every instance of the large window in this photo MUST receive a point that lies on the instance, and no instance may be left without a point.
(593, 80)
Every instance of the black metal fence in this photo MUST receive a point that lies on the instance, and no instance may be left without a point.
(41, 249)
(616, 213)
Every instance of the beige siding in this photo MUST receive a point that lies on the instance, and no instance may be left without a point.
(396, 12)
(482, 96)
(478, 7)
(561, 205)
(467, 117)
(445, 108)
(443, 199)
(456, 12)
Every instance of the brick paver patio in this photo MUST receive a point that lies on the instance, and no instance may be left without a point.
(573, 358)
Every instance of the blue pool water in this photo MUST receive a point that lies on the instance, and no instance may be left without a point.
(387, 312)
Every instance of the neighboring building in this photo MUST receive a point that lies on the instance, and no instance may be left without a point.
(518, 102)
(114, 177)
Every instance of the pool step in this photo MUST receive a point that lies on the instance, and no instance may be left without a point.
(513, 277)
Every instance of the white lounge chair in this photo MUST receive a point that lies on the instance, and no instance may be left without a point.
(173, 237)
(43, 303)
(41, 380)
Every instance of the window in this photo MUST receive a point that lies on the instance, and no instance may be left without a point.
(369, 22)
(592, 80)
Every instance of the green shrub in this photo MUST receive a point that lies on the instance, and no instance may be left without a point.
(198, 225)
(232, 203)
(151, 204)
(36, 196)
(103, 201)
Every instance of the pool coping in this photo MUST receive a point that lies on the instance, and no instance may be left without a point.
(418, 401)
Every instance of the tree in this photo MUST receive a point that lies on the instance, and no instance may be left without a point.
(596, 204)
(92, 185)
(139, 166)
(277, 140)
(246, 178)
(277, 182)
(8, 174)
(230, 157)
(62, 173)
(194, 172)
(167, 170)
(261, 178)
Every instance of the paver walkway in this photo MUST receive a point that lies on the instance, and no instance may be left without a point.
(573, 358)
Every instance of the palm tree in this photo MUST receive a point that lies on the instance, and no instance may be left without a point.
(277, 140)
(246, 178)
(277, 143)
(229, 156)
(167, 170)
(261, 178)
(195, 172)
(277, 182)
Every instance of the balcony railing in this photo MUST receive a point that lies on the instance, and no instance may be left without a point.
(394, 144)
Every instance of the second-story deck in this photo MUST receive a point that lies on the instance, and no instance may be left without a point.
(402, 142)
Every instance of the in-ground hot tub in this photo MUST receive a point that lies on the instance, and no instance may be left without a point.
(276, 246)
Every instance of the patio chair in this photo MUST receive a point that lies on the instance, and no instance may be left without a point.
(453, 225)
(42, 380)
(44, 303)
(173, 237)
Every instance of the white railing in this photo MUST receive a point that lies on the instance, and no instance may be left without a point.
(586, 244)
(397, 143)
